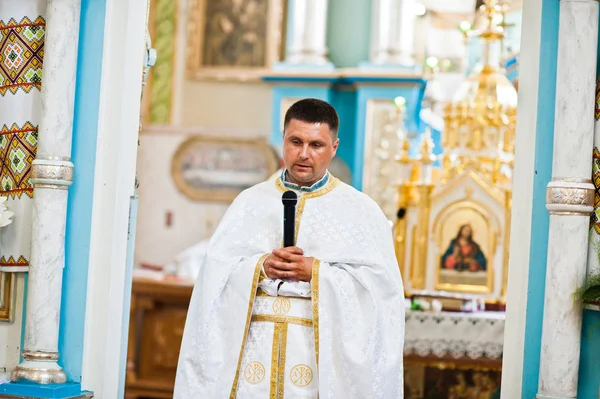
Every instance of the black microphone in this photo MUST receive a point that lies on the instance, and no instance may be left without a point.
(289, 199)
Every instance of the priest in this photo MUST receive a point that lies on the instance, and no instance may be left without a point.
(323, 318)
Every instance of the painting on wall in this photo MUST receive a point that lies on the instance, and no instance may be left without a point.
(211, 169)
(234, 39)
(466, 240)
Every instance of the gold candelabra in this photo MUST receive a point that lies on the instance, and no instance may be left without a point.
(478, 135)
(479, 123)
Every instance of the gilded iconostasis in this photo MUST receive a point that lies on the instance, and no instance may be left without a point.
(427, 130)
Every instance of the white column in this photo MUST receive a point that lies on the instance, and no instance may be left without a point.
(309, 32)
(52, 174)
(569, 198)
(114, 178)
(392, 33)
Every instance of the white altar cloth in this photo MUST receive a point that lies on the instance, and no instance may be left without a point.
(458, 335)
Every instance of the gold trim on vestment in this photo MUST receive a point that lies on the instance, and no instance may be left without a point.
(257, 270)
(315, 305)
(274, 318)
(278, 355)
(282, 355)
(263, 293)
(275, 360)
(263, 275)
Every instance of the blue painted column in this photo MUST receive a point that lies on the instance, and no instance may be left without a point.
(540, 217)
(530, 219)
(79, 211)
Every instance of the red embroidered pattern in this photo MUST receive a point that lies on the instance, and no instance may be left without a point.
(18, 146)
(21, 55)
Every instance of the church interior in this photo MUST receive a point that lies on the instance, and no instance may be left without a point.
(469, 122)
(426, 92)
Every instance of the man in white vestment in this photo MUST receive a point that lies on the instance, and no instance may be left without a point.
(321, 319)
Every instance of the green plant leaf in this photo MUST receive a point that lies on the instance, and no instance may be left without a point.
(592, 293)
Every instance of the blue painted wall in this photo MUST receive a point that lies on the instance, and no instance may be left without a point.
(344, 102)
(589, 363)
(348, 32)
(79, 216)
(540, 218)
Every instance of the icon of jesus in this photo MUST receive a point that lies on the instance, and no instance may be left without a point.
(463, 253)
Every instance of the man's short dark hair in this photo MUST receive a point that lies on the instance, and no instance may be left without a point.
(312, 110)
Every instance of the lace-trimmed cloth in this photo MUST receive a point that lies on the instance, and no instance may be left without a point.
(472, 335)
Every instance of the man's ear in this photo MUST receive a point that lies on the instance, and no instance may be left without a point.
(336, 143)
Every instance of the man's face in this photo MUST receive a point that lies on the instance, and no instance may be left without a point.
(308, 148)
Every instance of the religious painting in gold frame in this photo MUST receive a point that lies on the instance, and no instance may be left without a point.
(214, 169)
(466, 240)
(234, 39)
(7, 299)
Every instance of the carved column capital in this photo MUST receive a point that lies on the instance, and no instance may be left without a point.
(570, 197)
(56, 173)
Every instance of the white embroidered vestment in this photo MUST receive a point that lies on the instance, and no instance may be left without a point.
(339, 336)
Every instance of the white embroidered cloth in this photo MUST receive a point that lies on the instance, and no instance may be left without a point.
(458, 335)
(22, 39)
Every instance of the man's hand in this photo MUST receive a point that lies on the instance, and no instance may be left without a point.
(288, 264)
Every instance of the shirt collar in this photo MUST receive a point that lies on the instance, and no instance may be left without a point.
(292, 186)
